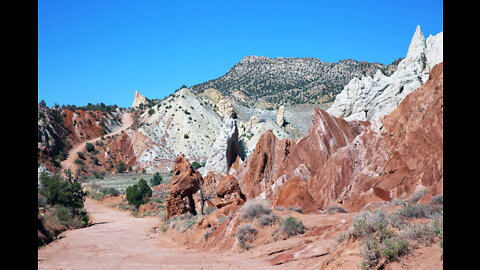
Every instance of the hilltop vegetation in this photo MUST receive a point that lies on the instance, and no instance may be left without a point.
(268, 83)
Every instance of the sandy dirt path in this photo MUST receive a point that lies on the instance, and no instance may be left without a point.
(118, 240)
(72, 154)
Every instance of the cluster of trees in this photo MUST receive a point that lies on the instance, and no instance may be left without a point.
(90, 107)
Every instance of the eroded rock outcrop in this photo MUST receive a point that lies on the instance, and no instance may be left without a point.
(228, 192)
(378, 95)
(185, 182)
(355, 162)
(225, 149)
(138, 99)
(398, 153)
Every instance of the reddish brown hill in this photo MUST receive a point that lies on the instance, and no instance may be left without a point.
(393, 157)
(83, 125)
(355, 162)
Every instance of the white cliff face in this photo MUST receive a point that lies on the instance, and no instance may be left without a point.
(250, 132)
(225, 148)
(183, 125)
(369, 97)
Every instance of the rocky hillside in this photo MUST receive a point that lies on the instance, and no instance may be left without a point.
(356, 162)
(262, 82)
(60, 129)
(371, 96)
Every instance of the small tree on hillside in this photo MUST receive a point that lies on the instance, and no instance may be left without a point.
(156, 180)
(120, 167)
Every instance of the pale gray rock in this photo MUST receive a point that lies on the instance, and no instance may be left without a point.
(225, 149)
(280, 116)
(377, 95)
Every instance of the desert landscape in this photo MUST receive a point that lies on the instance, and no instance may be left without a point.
(281, 163)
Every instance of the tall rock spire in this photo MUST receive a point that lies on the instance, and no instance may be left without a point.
(138, 99)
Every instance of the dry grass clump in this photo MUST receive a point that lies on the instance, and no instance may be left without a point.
(246, 233)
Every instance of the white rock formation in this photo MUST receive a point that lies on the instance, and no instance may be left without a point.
(138, 99)
(280, 116)
(250, 132)
(222, 106)
(225, 149)
(181, 123)
(366, 98)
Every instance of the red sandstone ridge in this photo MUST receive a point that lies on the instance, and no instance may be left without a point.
(392, 157)
(185, 182)
(354, 162)
(274, 162)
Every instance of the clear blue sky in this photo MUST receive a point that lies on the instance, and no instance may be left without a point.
(102, 51)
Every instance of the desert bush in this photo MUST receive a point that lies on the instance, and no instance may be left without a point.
(246, 233)
(292, 226)
(420, 211)
(265, 220)
(437, 199)
(280, 208)
(62, 213)
(254, 209)
(416, 196)
(296, 208)
(394, 248)
(419, 232)
(81, 155)
(370, 223)
(111, 190)
(396, 202)
(335, 209)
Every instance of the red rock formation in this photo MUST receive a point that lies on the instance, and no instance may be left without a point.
(185, 182)
(355, 162)
(391, 158)
(295, 193)
(228, 192)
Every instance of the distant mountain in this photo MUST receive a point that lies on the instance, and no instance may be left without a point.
(265, 82)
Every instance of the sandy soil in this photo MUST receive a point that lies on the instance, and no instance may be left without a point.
(118, 240)
(72, 154)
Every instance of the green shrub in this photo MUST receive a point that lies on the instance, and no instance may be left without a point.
(292, 226)
(138, 194)
(120, 167)
(420, 211)
(156, 180)
(369, 223)
(196, 165)
(58, 191)
(62, 213)
(89, 147)
(394, 248)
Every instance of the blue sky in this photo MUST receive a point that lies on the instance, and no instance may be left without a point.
(102, 50)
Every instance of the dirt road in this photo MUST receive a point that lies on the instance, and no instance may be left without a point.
(118, 240)
(72, 154)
